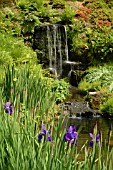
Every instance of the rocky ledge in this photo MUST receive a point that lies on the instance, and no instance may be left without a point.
(79, 109)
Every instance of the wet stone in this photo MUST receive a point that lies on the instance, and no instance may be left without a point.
(79, 109)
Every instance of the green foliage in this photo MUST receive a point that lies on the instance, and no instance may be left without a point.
(13, 50)
(99, 79)
(107, 107)
(86, 86)
(25, 86)
(104, 74)
(101, 44)
(92, 44)
(60, 88)
(67, 15)
(79, 40)
(20, 149)
(10, 21)
(24, 4)
(88, 40)
(21, 19)
(100, 10)
(30, 21)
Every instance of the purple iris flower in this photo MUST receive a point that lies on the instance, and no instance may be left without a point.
(44, 133)
(8, 108)
(110, 127)
(71, 135)
(97, 139)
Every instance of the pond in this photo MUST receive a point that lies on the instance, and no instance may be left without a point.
(86, 126)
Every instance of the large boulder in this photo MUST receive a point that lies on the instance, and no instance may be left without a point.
(79, 109)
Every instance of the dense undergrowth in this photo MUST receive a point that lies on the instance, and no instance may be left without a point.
(99, 80)
(89, 24)
(89, 27)
(20, 149)
(16, 22)
(26, 103)
(33, 95)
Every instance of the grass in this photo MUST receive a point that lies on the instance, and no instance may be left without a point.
(19, 145)
(20, 149)
(10, 50)
(26, 89)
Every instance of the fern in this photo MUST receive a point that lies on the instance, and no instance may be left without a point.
(103, 74)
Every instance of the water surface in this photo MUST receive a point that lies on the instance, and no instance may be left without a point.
(86, 126)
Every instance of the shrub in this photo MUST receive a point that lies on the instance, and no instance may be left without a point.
(86, 86)
(13, 50)
(102, 74)
(60, 89)
(67, 15)
(107, 107)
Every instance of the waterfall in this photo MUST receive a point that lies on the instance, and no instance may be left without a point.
(66, 46)
(57, 43)
(50, 51)
(50, 43)
(72, 69)
(54, 38)
(60, 50)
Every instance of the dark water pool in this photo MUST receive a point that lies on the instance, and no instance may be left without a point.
(86, 125)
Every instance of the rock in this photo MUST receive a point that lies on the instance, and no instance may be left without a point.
(79, 109)
(74, 71)
(50, 43)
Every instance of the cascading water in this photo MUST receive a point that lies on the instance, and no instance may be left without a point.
(57, 46)
(54, 38)
(59, 49)
(66, 46)
(50, 43)
(50, 52)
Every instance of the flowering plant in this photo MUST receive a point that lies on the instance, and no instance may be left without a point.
(45, 133)
(71, 135)
(8, 108)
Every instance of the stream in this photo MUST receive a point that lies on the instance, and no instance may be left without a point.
(86, 126)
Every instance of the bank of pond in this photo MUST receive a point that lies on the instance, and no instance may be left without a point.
(28, 142)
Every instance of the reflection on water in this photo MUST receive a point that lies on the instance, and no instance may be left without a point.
(87, 125)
